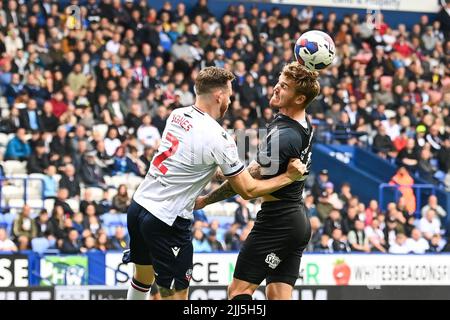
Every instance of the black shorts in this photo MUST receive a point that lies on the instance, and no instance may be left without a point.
(274, 247)
(167, 248)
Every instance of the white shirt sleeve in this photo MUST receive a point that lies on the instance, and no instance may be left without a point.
(226, 155)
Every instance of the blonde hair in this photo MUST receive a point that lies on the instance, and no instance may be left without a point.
(305, 80)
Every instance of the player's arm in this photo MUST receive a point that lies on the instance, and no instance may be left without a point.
(246, 185)
(225, 190)
(250, 188)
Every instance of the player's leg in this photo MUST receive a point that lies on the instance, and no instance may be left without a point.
(241, 290)
(279, 291)
(250, 269)
(281, 280)
(154, 292)
(172, 254)
(139, 254)
(143, 278)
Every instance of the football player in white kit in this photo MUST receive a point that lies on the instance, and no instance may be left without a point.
(159, 217)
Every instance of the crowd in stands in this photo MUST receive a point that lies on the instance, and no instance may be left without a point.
(83, 104)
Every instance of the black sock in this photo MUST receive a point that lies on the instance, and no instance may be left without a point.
(242, 297)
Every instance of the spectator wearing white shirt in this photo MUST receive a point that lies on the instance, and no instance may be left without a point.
(429, 224)
(112, 141)
(400, 246)
(6, 244)
(148, 134)
(433, 204)
(113, 45)
(375, 236)
(417, 244)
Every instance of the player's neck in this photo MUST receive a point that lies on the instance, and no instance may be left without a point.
(294, 113)
(208, 106)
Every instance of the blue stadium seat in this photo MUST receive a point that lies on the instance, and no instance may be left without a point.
(40, 245)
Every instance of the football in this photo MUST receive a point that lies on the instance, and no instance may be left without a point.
(315, 50)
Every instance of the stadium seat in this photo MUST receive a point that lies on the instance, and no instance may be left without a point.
(3, 139)
(230, 208)
(133, 182)
(8, 218)
(36, 203)
(123, 218)
(73, 204)
(108, 180)
(16, 203)
(110, 218)
(2, 152)
(13, 167)
(116, 181)
(40, 245)
(49, 204)
(214, 209)
(111, 193)
(10, 192)
(97, 193)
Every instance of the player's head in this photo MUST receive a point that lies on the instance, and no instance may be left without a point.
(296, 87)
(215, 84)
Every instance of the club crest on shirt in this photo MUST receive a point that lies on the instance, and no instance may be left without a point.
(272, 260)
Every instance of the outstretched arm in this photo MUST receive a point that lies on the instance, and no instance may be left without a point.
(225, 190)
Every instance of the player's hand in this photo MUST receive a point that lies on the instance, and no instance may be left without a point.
(295, 169)
(200, 203)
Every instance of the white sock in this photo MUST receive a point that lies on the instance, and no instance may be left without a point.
(138, 291)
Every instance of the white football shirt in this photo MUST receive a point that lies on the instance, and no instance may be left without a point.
(192, 146)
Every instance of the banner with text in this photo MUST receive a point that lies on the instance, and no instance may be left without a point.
(394, 5)
(14, 270)
(316, 269)
(64, 270)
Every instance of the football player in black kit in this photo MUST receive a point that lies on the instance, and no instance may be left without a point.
(274, 247)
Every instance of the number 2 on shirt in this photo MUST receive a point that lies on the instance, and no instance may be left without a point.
(158, 162)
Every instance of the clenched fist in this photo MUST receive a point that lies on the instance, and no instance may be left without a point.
(295, 169)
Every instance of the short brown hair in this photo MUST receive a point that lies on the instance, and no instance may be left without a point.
(305, 80)
(212, 78)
